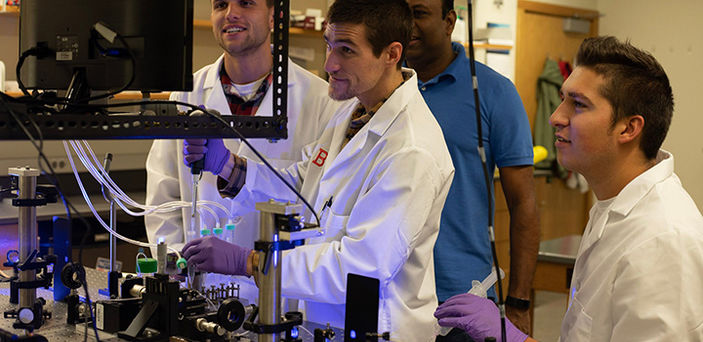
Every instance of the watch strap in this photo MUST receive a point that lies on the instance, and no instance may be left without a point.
(522, 304)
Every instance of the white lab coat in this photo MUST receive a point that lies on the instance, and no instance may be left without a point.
(639, 270)
(168, 179)
(388, 186)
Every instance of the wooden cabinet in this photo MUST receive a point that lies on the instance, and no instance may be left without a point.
(562, 212)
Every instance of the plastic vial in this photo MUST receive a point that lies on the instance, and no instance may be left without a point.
(193, 231)
(229, 232)
(218, 233)
(146, 266)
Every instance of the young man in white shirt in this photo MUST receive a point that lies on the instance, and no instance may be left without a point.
(638, 270)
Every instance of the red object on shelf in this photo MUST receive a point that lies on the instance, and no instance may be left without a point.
(309, 23)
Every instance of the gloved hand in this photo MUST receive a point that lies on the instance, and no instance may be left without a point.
(479, 317)
(213, 150)
(211, 254)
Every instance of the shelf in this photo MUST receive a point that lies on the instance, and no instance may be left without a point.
(11, 10)
(201, 24)
(14, 93)
(296, 31)
(490, 46)
(129, 95)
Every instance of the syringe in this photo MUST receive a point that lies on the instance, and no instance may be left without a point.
(478, 289)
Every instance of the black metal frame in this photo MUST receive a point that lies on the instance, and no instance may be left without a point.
(82, 126)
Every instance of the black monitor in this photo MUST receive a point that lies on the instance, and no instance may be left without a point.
(158, 32)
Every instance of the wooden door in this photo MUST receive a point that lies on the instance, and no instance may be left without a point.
(540, 35)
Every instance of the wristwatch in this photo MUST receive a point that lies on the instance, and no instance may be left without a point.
(522, 304)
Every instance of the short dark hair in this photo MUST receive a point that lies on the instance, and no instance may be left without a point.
(635, 84)
(386, 21)
(447, 5)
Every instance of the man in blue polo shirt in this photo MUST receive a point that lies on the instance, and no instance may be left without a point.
(462, 252)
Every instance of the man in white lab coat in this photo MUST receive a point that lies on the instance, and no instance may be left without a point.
(638, 269)
(238, 82)
(379, 176)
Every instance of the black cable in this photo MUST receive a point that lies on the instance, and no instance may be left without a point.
(43, 51)
(486, 176)
(37, 51)
(51, 175)
(55, 182)
(84, 283)
(136, 103)
(275, 172)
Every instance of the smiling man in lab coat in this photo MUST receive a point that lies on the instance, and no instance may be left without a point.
(381, 171)
(638, 269)
(236, 83)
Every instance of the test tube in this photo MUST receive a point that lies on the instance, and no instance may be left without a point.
(194, 280)
(193, 231)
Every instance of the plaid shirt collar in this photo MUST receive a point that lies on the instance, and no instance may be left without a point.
(237, 105)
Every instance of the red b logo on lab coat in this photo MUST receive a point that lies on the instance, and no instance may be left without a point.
(320, 159)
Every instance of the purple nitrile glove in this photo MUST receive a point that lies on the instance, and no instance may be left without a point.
(479, 317)
(213, 150)
(210, 254)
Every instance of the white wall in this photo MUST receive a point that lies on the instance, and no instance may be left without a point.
(485, 11)
(671, 31)
(9, 43)
(506, 13)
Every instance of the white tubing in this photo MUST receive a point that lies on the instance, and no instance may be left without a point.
(95, 213)
(87, 157)
(98, 172)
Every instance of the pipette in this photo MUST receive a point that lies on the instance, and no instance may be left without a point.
(478, 289)
(196, 169)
